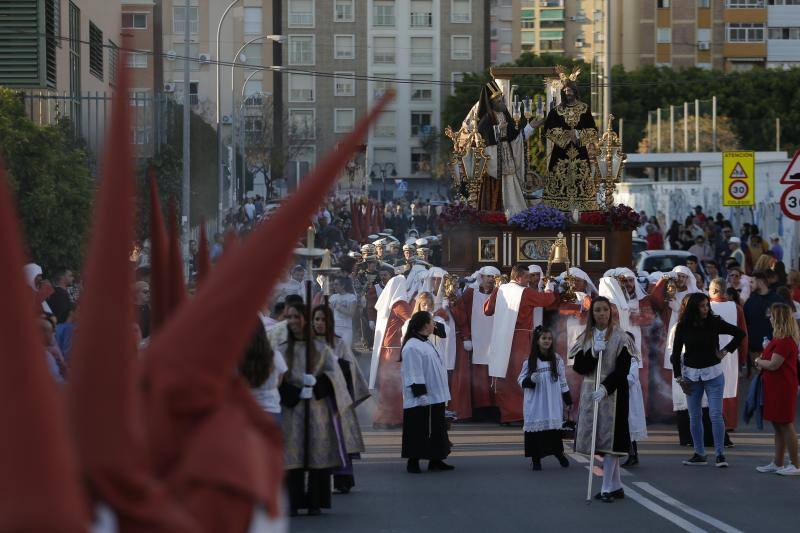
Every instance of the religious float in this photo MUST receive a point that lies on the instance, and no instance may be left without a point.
(509, 214)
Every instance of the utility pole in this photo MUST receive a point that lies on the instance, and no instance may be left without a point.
(607, 65)
(276, 166)
(158, 76)
(186, 182)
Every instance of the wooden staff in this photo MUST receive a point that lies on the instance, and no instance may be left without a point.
(594, 428)
(309, 369)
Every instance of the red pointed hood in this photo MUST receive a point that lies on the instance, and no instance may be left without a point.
(104, 393)
(159, 285)
(39, 483)
(190, 364)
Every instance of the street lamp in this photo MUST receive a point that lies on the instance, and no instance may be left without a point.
(220, 177)
(383, 169)
(276, 38)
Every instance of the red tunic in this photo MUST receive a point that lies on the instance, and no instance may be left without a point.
(469, 383)
(371, 298)
(508, 393)
(389, 382)
(780, 386)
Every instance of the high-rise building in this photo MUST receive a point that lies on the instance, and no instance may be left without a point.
(720, 34)
(415, 47)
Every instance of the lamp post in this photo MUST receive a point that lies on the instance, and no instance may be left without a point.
(276, 38)
(220, 177)
(383, 169)
(242, 125)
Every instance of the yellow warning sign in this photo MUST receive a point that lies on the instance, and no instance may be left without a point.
(738, 183)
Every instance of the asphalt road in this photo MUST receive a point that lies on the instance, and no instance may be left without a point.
(494, 489)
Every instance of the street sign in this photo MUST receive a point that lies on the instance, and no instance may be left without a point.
(790, 202)
(738, 178)
(792, 174)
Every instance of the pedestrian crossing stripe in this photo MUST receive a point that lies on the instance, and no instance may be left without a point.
(738, 172)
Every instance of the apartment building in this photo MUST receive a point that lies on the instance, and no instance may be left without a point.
(415, 47)
(720, 34)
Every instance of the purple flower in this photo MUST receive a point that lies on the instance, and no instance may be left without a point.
(538, 216)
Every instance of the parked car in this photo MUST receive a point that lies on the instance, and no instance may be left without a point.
(638, 245)
(663, 261)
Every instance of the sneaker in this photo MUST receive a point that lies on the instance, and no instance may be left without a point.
(721, 462)
(789, 470)
(769, 469)
(696, 460)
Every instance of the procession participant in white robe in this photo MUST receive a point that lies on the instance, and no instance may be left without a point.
(344, 303)
(393, 310)
(512, 305)
(469, 385)
(623, 308)
(731, 313)
(441, 331)
(434, 284)
(425, 393)
(668, 307)
(292, 285)
(545, 391)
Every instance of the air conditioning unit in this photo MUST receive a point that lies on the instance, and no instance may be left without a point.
(226, 119)
(578, 44)
(169, 87)
(704, 45)
(171, 55)
(205, 58)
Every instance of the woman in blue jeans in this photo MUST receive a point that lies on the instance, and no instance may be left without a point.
(697, 338)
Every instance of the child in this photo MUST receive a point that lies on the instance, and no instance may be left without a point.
(545, 395)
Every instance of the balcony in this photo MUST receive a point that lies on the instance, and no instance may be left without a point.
(421, 20)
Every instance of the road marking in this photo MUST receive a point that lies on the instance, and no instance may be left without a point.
(579, 458)
(722, 526)
(661, 511)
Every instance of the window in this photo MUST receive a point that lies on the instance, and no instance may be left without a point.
(703, 35)
(140, 135)
(744, 3)
(421, 13)
(461, 11)
(193, 92)
(252, 93)
(301, 13)
(419, 89)
(194, 53)
(134, 21)
(662, 4)
(385, 83)
(113, 62)
(345, 85)
(138, 97)
(179, 20)
(455, 78)
(385, 156)
(57, 21)
(784, 33)
(383, 13)
(300, 163)
(301, 124)
(254, 129)
(745, 32)
(95, 51)
(703, 3)
(385, 125)
(137, 60)
(301, 49)
(383, 50)
(420, 123)
(422, 50)
(344, 46)
(301, 88)
(664, 35)
(461, 47)
(343, 11)
(252, 21)
(252, 54)
(420, 162)
(344, 120)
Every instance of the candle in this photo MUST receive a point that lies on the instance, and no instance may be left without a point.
(310, 237)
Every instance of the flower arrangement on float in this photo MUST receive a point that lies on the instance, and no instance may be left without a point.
(618, 217)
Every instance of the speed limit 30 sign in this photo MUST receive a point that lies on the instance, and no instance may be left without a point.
(790, 202)
(738, 189)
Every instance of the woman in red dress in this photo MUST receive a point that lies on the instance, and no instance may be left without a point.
(778, 365)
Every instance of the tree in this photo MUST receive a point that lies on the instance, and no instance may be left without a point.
(49, 174)
(727, 139)
(260, 150)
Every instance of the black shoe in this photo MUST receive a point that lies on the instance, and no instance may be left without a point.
(728, 442)
(632, 460)
(618, 494)
(412, 467)
(439, 465)
(696, 460)
(343, 490)
(721, 462)
(536, 464)
(562, 460)
(604, 497)
(315, 511)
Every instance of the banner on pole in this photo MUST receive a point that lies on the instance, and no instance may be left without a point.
(738, 178)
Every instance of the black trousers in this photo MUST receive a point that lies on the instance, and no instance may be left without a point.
(425, 433)
(309, 492)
